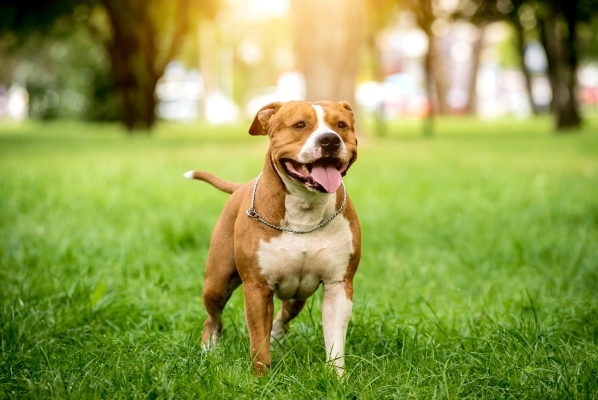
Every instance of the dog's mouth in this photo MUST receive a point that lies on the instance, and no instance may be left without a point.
(323, 175)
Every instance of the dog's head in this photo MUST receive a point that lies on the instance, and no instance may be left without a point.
(313, 144)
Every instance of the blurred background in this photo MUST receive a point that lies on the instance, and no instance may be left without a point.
(219, 61)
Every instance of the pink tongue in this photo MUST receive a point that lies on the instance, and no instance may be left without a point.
(327, 176)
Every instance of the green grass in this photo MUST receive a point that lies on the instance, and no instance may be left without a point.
(479, 275)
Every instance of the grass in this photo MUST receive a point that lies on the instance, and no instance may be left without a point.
(479, 275)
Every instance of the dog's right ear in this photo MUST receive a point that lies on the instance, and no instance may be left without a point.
(258, 126)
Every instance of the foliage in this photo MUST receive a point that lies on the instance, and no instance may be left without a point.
(61, 62)
(478, 277)
(587, 31)
(142, 46)
(558, 25)
(129, 45)
(23, 18)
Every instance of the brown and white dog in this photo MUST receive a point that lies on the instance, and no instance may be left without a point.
(312, 145)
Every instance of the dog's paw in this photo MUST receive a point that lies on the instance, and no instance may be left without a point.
(278, 331)
(210, 344)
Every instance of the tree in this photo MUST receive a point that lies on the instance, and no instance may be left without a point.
(559, 41)
(378, 16)
(137, 60)
(558, 23)
(557, 28)
(48, 47)
(480, 13)
(17, 21)
(434, 71)
(35, 16)
(436, 78)
(328, 39)
(514, 16)
(144, 36)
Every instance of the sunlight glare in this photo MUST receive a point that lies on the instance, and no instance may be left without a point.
(258, 10)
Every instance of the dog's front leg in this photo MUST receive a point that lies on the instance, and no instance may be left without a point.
(336, 312)
(259, 309)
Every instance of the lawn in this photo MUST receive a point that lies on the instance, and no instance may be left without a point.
(479, 274)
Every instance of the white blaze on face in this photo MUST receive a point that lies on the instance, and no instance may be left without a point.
(310, 151)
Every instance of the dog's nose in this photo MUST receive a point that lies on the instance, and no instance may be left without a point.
(329, 141)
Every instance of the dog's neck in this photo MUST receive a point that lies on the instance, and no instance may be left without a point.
(298, 207)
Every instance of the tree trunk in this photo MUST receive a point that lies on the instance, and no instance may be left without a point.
(136, 62)
(478, 46)
(438, 74)
(520, 37)
(435, 71)
(428, 122)
(560, 70)
(135, 89)
(573, 119)
(380, 126)
(328, 38)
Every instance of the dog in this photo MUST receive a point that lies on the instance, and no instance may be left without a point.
(287, 231)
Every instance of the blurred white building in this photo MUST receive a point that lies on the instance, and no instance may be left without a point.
(179, 93)
(14, 103)
(588, 82)
(290, 86)
(499, 91)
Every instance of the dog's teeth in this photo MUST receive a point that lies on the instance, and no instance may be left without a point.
(304, 168)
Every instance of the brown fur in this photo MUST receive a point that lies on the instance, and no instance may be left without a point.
(218, 183)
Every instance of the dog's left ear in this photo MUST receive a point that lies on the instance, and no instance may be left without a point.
(261, 119)
(347, 107)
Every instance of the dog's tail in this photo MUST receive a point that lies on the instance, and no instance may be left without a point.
(213, 180)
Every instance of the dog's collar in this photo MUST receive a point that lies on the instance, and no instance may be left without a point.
(253, 214)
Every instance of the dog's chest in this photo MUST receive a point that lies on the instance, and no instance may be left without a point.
(295, 264)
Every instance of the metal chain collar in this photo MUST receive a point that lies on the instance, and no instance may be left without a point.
(253, 214)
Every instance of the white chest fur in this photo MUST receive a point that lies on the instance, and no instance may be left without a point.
(295, 264)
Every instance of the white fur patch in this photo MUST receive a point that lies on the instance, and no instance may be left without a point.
(278, 332)
(188, 174)
(336, 313)
(295, 264)
(307, 153)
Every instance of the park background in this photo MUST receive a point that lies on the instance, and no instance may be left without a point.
(475, 186)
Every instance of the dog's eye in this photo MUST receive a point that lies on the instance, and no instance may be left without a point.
(299, 125)
(342, 125)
